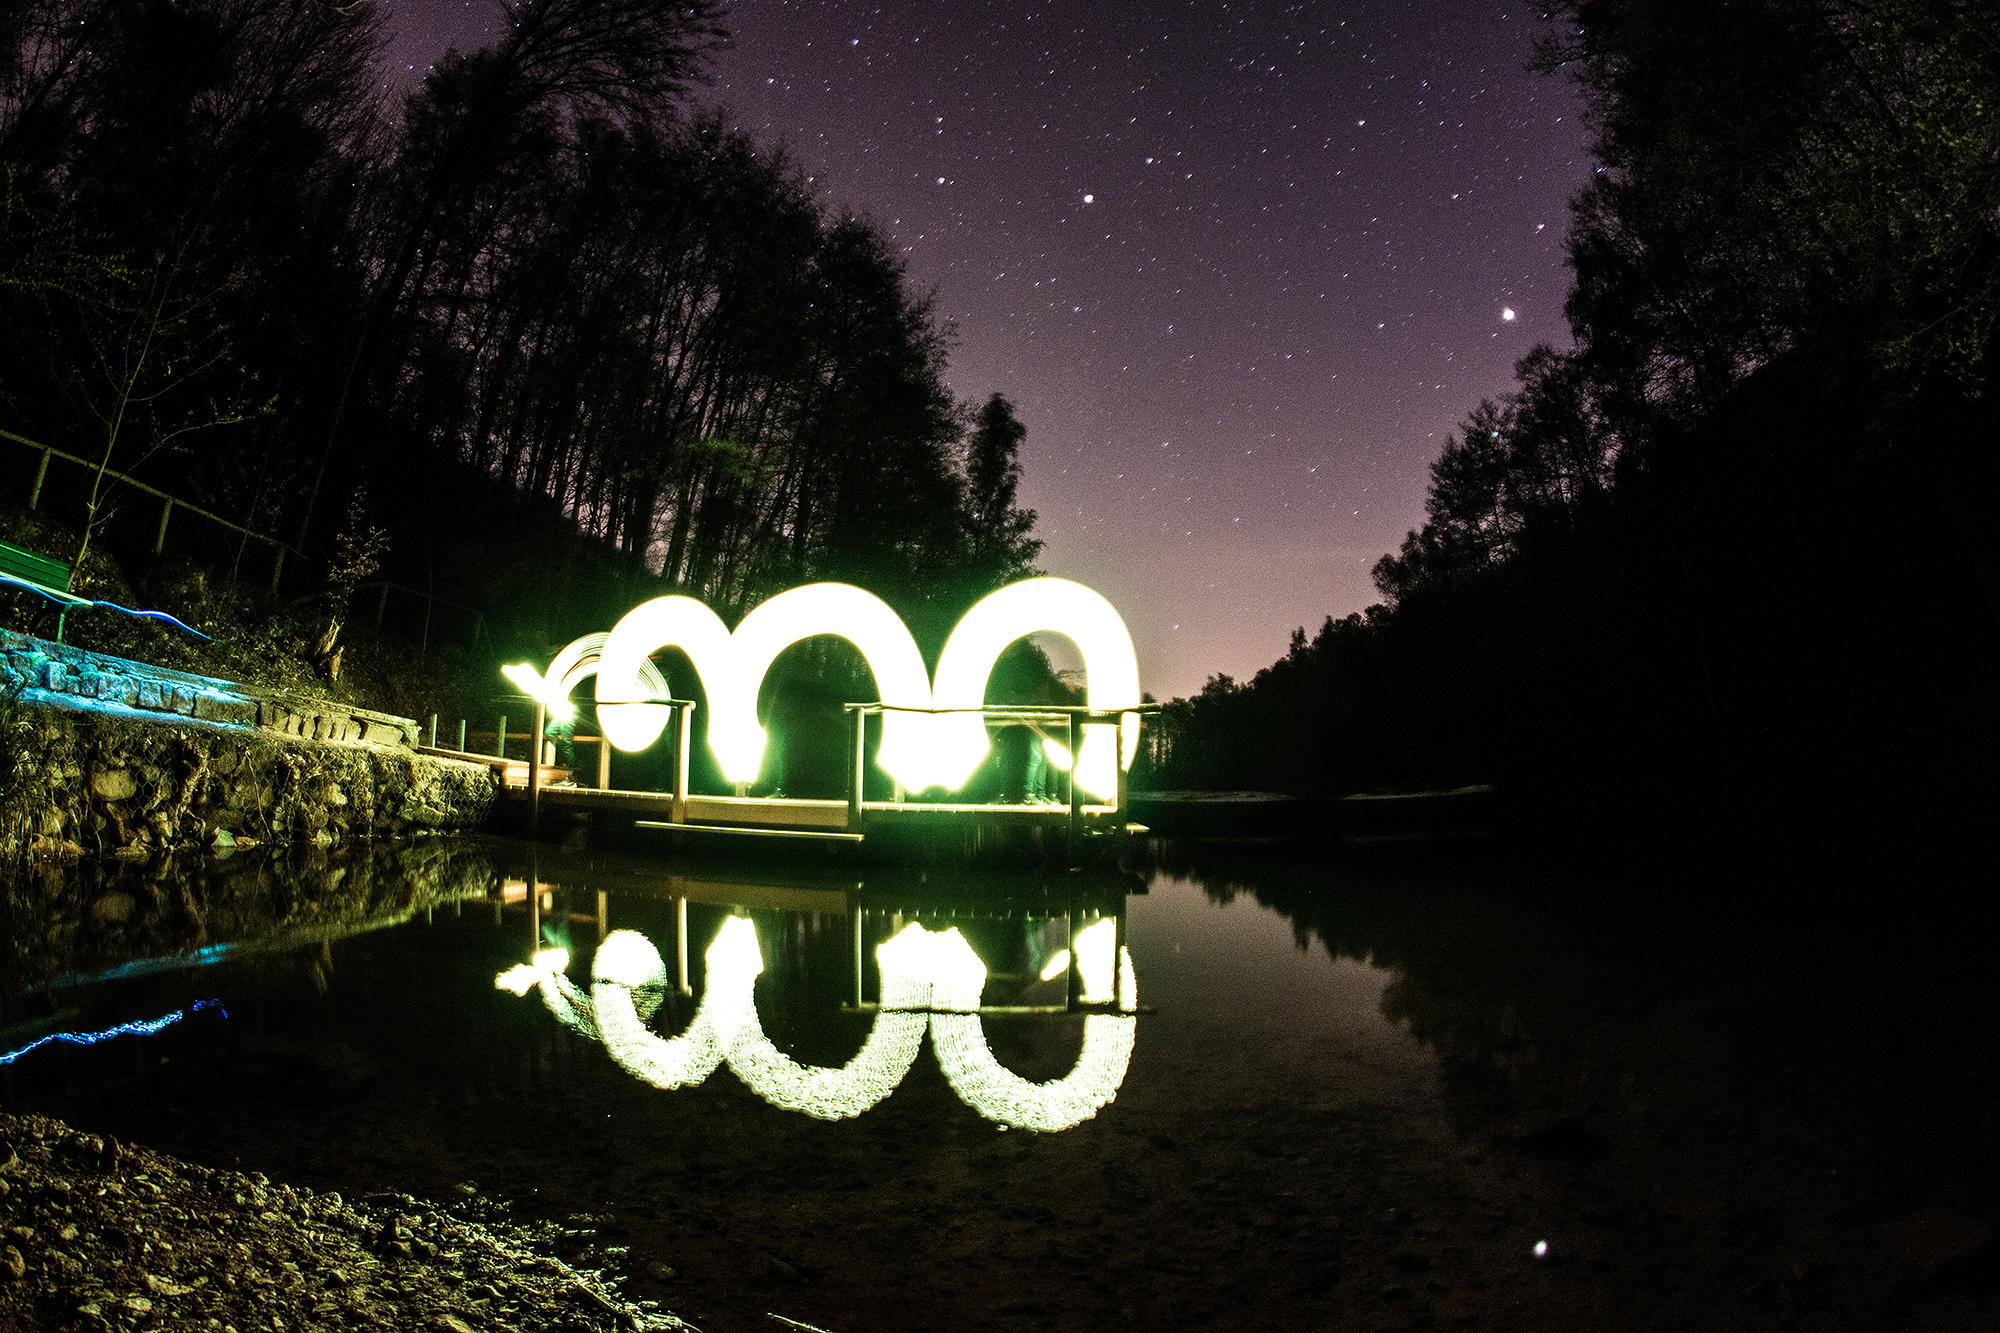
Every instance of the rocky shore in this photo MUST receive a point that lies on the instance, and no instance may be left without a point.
(101, 756)
(96, 1234)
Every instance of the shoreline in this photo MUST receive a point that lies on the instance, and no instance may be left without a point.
(101, 1234)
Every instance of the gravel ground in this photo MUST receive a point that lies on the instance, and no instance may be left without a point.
(105, 1235)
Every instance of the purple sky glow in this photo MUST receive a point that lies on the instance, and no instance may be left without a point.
(1240, 267)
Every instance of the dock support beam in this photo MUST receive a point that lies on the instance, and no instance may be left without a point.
(681, 946)
(683, 736)
(535, 769)
(1075, 792)
(857, 720)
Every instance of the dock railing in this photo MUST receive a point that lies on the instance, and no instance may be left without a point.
(845, 820)
(1073, 718)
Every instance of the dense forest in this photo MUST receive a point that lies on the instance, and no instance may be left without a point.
(533, 343)
(1727, 561)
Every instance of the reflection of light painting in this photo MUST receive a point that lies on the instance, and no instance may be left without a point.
(917, 752)
(929, 978)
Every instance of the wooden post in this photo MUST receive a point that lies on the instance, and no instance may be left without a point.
(1118, 957)
(854, 919)
(1119, 757)
(534, 903)
(683, 726)
(858, 724)
(461, 735)
(535, 769)
(603, 763)
(1075, 991)
(160, 537)
(1075, 791)
(603, 915)
(500, 739)
(434, 731)
(681, 945)
(35, 496)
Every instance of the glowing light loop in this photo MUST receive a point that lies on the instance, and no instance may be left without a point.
(930, 979)
(916, 751)
(1111, 676)
(998, 1093)
(627, 962)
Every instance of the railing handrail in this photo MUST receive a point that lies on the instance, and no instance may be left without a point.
(136, 484)
(1013, 710)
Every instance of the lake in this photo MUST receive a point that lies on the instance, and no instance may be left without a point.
(1383, 1087)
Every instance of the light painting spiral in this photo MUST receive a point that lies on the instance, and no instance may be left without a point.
(930, 979)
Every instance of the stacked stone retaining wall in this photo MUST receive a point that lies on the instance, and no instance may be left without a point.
(103, 756)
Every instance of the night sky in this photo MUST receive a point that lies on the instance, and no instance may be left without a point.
(1240, 267)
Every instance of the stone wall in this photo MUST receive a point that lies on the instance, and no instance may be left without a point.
(99, 756)
(59, 674)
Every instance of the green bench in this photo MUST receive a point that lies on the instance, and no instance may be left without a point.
(50, 579)
(44, 573)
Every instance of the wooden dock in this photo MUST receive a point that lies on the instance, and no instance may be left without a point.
(543, 787)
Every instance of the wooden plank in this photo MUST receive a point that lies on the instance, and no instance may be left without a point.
(726, 893)
(745, 831)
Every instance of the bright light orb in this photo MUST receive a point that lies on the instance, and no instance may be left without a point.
(1507, 314)
(1111, 670)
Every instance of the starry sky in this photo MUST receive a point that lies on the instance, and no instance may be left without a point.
(1241, 267)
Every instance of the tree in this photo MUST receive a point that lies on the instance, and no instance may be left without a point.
(1001, 549)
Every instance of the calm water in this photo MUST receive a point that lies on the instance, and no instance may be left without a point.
(1400, 1089)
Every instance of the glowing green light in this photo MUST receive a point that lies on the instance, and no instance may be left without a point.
(918, 751)
(930, 979)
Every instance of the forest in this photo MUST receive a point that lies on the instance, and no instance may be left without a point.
(1726, 563)
(484, 366)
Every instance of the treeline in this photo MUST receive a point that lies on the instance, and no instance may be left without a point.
(1728, 558)
(575, 341)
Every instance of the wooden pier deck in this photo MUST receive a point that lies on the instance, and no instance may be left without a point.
(545, 787)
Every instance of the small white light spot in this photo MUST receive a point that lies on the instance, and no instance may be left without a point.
(1090, 199)
(1541, 1249)
(941, 181)
(1507, 313)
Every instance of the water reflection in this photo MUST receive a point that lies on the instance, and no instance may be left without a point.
(1372, 1086)
(70, 925)
(927, 979)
